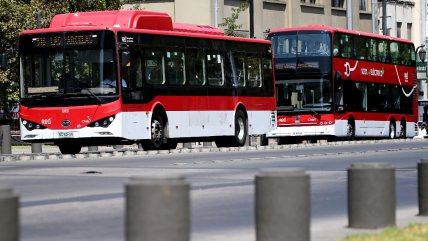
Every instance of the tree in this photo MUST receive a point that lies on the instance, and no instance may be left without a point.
(230, 22)
(19, 15)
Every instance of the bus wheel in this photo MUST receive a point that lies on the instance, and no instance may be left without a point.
(241, 131)
(350, 130)
(392, 130)
(157, 134)
(403, 133)
(69, 148)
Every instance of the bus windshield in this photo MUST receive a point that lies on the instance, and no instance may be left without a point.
(303, 95)
(67, 64)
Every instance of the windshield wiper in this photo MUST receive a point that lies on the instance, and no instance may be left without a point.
(91, 94)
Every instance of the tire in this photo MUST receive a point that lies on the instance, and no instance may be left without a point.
(240, 133)
(157, 129)
(69, 148)
(241, 129)
(350, 130)
(403, 133)
(392, 130)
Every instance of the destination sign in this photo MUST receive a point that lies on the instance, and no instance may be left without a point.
(54, 41)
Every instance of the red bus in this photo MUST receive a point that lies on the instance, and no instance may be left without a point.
(121, 77)
(334, 82)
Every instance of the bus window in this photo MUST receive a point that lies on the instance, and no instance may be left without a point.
(215, 72)
(195, 66)
(154, 64)
(175, 71)
(239, 61)
(383, 51)
(347, 46)
(253, 67)
(373, 51)
(361, 48)
(395, 55)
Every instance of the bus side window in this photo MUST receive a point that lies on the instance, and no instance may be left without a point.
(195, 67)
(154, 65)
(175, 70)
(215, 69)
(240, 70)
(253, 67)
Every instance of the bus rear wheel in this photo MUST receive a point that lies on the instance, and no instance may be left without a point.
(403, 133)
(350, 130)
(240, 134)
(69, 148)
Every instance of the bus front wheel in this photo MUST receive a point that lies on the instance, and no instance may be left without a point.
(157, 133)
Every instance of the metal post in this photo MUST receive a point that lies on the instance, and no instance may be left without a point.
(9, 218)
(384, 27)
(283, 205)
(6, 140)
(157, 209)
(36, 148)
(371, 195)
(349, 23)
(251, 9)
(423, 187)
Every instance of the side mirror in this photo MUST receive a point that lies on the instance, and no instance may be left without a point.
(125, 58)
(3, 61)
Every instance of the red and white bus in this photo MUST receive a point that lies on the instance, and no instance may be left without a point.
(178, 82)
(333, 82)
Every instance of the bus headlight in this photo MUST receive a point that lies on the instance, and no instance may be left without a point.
(105, 122)
(29, 125)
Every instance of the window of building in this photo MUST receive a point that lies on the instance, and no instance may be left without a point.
(363, 5)
(409, 31)
(398, 30)
(338, 3)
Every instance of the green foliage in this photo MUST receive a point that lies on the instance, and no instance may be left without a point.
(19, 15)
(230, 22)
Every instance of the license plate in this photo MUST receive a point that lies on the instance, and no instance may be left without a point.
(68, 134)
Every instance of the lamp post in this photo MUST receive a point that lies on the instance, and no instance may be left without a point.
(422, 53)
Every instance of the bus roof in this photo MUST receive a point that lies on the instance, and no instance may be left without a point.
(340, 30)
(134, 19)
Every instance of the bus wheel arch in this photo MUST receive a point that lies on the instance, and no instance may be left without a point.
(392, 129)
(350, 129)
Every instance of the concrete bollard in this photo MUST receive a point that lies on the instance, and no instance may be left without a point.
(423, 187)
(6, 139)
(9, 215)
(36, 148)
(157, 209)
(371, 195)
(283, 205)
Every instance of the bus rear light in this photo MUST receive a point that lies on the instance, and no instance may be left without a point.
(105, 122)
(29, 125)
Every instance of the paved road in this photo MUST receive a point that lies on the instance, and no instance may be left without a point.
(82, 198)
